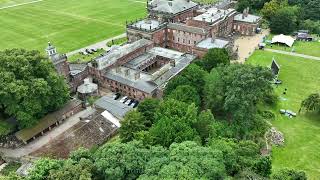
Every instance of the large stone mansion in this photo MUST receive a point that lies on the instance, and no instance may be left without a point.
(159, 47)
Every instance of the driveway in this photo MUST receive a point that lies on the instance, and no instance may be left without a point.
(99, 45)
(247, 44)
(46, 138)
(294, 54)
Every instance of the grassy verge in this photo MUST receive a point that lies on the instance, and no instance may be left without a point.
(119, 41)
(80, 58)
(302, 138)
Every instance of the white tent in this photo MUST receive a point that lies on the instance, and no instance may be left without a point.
(288, 40)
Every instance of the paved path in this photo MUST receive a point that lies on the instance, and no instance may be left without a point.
(99, 45)
(294, 54)
(22, 4)
(43, 140)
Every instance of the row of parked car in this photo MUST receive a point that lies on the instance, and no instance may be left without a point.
(88, 51)
(125, 100)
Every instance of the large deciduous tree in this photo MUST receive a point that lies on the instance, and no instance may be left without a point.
(284, 20)
(29, 86)
(174, 123)
(213, 58)
(133, 122)
(233, 91)
(187, 94)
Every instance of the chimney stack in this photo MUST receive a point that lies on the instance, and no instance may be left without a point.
(127, 72)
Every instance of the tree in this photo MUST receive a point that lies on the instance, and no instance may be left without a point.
(72, 170)
(312, 103)
(29, 86)
(284, 21)
(195, 74)
(312, 26)
(233, 92)
(125, 160)
(187, 160)
(175, 118)
(41, 169)
(270, 8)
(205, 119)
(289, 174)
(214, 57)
(187, 94)
(79, 154)
(311, 10)
(175, 82)
(263, 166)
(237, 155)
(133, 122)
(148, 109)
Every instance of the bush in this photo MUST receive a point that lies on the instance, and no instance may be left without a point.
(11, 167)
(268, 115)
(5, 128)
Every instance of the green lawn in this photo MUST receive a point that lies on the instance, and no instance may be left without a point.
(302, 47)
(68, 24)
(80, 58)
(302, 134)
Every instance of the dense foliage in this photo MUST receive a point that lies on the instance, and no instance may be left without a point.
(29, 86)
(311, 103)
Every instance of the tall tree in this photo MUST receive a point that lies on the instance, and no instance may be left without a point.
(270, 9)
(29, 86)
(175, 118)
(148, 108)
(187, 94)
(284, 21)
(214, 57)
(133, 122)
(233, 91)
(187, 160)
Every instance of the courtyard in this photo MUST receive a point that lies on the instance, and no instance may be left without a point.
(300, 77)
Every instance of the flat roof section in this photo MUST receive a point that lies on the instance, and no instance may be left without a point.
(147, 24)
(209, 43)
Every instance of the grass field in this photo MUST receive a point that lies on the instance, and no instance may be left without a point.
(301, 47)
(70, 24)
(302, 134)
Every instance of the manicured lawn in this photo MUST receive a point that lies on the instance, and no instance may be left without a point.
(68, 24)
(302, 134)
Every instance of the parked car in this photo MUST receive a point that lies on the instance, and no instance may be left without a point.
(136, 103)
(116, 96)
(127, 102)
(124, 99)
(131, 102)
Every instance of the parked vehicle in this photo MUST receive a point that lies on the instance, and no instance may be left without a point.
(124, 99)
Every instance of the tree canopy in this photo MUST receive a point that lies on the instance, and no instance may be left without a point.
(29, 86)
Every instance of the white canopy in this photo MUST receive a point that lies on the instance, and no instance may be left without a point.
(288, 40)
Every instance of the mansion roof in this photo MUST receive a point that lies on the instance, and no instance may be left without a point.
(186, 28)
(214, 14)
(116, 52)
(171, 6)
(249, 18)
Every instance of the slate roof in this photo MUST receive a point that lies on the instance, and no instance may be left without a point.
(115, 107)
(77, 68)
(47, 121)
(183, 27)
(177, 6)
(214, 14)
(111, 57)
